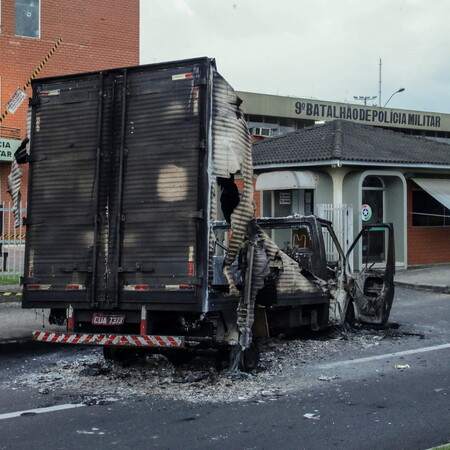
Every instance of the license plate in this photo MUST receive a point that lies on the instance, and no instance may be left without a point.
(108, 319)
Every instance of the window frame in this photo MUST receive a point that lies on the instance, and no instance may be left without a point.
(429, 202)
(39, 4)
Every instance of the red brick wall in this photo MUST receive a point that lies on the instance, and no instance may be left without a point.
(256, 197)
(426, 245)
(96, 35)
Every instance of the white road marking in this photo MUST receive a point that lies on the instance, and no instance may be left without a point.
(40, 410)
(386, 355)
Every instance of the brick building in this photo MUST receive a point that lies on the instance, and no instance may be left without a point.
(95, 35)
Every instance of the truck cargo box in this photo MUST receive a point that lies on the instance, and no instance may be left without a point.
(121, 185)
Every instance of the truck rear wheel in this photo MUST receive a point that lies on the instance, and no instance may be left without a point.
(122, 355)
(114, 354)
(179, 357)
(350, 318)
(249, 359)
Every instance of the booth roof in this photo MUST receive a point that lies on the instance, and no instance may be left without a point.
(349, 143)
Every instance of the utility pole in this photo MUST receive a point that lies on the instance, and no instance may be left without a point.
(379, 87)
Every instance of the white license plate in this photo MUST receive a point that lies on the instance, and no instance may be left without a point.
(108, 319)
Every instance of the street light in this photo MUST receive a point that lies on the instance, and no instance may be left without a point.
(396, 92)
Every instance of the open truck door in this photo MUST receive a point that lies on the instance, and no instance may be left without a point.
(371, 289)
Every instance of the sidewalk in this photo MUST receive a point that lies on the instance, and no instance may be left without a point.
(434, 278)
(16, 323)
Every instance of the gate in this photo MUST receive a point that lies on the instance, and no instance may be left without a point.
(341, 216)
(12, 244)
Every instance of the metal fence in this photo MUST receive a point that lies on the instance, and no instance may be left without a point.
(12, 244)
(342, 218)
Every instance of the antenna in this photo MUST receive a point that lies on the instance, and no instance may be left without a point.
(379, 87)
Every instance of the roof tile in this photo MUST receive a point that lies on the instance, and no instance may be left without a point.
(349, 142)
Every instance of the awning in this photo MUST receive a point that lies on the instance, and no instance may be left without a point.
(438, 188)
(286, 179)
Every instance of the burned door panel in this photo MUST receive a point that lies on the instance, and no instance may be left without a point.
(372, 289)
(161, 208)
(62, 176)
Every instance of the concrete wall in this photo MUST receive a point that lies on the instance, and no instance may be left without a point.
(324, 190)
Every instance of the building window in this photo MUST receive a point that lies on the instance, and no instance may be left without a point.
(27, 18)
(427, 211)
(373, 182)
(309, 202)
(283, 203)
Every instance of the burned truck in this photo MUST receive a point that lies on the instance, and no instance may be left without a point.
(138, 238)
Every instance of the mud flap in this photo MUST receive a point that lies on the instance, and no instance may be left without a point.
(372, 289)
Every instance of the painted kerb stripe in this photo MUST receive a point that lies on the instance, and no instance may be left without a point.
(349, 362)
(40, 410)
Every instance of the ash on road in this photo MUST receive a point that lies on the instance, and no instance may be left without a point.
(287, 365)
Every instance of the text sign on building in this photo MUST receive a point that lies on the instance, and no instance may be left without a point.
(15, 101)
(372, 116)
(320, 110)
(285, 198)
(7, 149)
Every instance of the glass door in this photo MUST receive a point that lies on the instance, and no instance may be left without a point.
(372, 213)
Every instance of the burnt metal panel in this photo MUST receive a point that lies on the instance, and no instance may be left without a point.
(119, 186)
(62, 176)
(160, 203)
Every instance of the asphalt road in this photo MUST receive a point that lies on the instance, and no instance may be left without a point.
(392, 395)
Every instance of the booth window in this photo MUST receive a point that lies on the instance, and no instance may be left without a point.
(372, 181)
(427, 211)
(27, 18)
(309, 202)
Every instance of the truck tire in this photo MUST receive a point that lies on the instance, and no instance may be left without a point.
(123, 355)
(114, 354)
(223, 359)
(249, 359)
(179, 357)
(386, 311)
(350, 318)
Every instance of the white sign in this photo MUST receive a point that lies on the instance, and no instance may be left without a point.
(373, 116)
(366, 212)
(16, 100)
(285, 198)
(7, 149)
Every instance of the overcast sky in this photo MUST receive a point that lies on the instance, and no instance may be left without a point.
(320, 49)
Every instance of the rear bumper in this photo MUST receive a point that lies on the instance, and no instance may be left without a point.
(117, 340)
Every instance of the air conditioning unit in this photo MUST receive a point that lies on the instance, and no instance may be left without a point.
(258, 131)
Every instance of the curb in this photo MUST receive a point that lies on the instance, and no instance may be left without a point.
(25, 344)
(10, 297)
(441, 289)
(15, 341)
